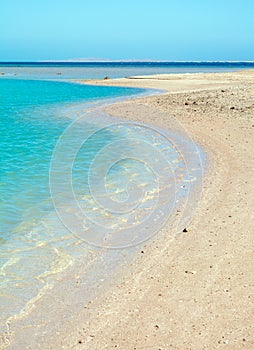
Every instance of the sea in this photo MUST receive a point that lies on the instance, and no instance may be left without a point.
(77, 184)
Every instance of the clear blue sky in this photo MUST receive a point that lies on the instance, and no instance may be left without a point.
(130, 29)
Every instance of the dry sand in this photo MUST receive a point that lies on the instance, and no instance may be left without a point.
(196, 292)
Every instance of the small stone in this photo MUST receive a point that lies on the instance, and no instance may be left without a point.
(185, 230)
(232, 107)
(142, 252)
(106, 78)
(222, 90)
(157, 326)
(186, 103)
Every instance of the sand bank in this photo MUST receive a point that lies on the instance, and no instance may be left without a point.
(196, 292)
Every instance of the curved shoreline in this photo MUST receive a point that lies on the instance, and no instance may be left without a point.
(196, 293)
(6, 334)
(14, 323)
(182, 295)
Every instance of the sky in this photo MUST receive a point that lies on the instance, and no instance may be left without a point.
(171, 30)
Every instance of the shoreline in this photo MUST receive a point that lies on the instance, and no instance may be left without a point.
(170, 293)
(197, 292)
(16, 323)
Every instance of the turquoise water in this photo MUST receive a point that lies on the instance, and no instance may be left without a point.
(33, 114)
(72, 175)
(29, 130)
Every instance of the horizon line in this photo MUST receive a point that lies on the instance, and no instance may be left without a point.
(125, 61)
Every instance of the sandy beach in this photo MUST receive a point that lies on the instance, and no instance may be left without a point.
(192, 291)
(126, 181)
(197, 291)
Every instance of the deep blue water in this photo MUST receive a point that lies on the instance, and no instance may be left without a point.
(225, 64)
(98, 70)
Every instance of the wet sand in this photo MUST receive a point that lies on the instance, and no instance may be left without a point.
(195, 292)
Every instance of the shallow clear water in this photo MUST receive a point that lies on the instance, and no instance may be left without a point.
(31, 123)
(72, 175)
(33, 114)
